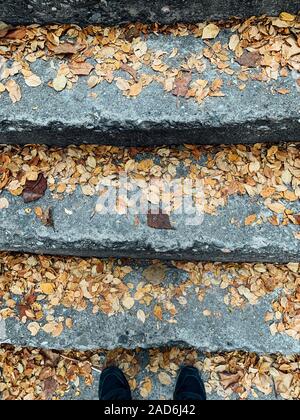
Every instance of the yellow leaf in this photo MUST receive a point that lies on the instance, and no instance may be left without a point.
(210, 31)
(135, 89)
(276, 207)
(128, 302)
(47, 288)
(287, 17)
(234, 42)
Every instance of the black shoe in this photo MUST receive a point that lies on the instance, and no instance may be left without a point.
(189, 385)
(114, 385)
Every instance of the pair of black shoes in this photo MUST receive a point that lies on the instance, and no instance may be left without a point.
(114, 386)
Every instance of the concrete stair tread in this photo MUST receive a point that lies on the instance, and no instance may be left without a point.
(258, 113)
(226, 235)
(151, 374)
(211, 307)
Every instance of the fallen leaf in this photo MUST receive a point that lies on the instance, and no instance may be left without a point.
(250, 219)
(283, 91)
(59, 83)
(234, 42)
(47, 217)
(50, 386)
(34, 190)
(4, 203)
(67, 48)
(19, 33)
(146, 388)
(228, 380)
(81, 69)
(249, 59)
(33, 81)
(211, 31)
(14, 90)
(52, 356)
(34, 328)
(130, 70)
(128, 302)
(93, 81)
(287, 17)
(164, 378)
(141, 316)
(159, 221)
(4, 177)
(157, 311)
(47, 288)
(276, 207)
(135, 89)
(155, 274)
(122, 84)
(181, 85)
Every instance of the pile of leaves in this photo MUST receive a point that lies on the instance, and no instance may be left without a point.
(122, 55)
(270, 173)
(31, 287)
(33, 374)
(228, 374)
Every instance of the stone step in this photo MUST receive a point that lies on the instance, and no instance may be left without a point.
(247, 202)
(119, 11)
(213, 100)
(67, 303)
(151, 374)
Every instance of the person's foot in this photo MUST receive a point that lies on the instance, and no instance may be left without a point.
(114, 385)
(189, 385)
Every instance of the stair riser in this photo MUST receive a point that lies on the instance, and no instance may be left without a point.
(119, 11)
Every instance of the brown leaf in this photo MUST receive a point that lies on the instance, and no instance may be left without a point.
(296, 219)
(34, 190)
(52, 357)
(228, 380)
(50, 386)
(67, 48)
(19, 33)
(81, 69)
(249, 59)
(131, 71)
(4, 177)
(159, 221)
(47, 217)
(155, 274)
(182, 85)
(157, 311)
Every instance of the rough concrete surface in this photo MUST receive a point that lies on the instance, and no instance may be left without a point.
(84, 233)
(227, 329)
(256, 114)
(120, 11)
